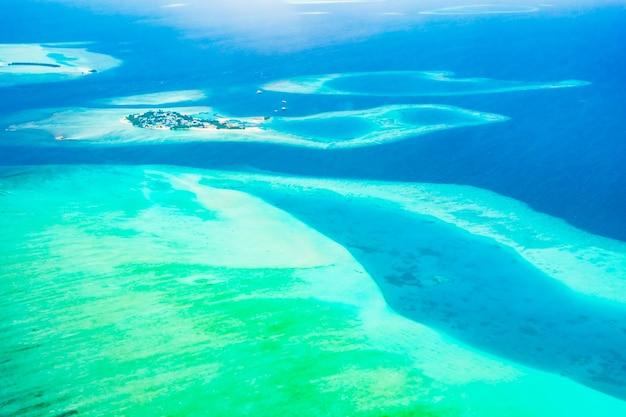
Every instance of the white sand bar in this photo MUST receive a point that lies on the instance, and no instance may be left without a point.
(35, 63)
(584, 262)
(478, 9)
(347, 129)
(155, 99)
(407, 83)
(177, 219)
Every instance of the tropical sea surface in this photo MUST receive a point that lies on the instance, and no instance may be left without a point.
(425, 215)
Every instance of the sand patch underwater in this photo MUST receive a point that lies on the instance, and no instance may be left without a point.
(119, 300)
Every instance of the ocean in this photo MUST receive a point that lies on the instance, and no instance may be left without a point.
(445, 264)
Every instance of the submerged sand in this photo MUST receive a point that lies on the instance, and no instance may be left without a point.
(408, 83)
(35, 63)
(172, 288)
(356, 128)
(158, 99)
(483, 9)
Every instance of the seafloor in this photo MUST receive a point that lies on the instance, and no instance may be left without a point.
(424, 217)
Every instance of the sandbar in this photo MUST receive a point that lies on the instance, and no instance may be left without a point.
(35, 63)
(586, 263)
(407, 83)
(480, 9)
(158, 99)
(331, 130)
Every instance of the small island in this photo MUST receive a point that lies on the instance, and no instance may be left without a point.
(165, 119)
(43, 63)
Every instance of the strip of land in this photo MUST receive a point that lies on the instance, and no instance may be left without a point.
(332, 130)
(36, 63)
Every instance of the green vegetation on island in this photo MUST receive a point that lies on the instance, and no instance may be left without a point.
(165, 119)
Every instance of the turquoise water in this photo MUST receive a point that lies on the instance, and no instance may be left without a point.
(400, 84)
(410, 83)
(61, 58)
(479, 9)
(175, 291)
(343, 128)
(430, 117)
(473, 288)
(423, 216)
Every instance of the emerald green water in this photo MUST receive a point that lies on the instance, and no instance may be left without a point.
(408, 83)
(107, 320)
(433, 116)
(382, 84)
(114, 302)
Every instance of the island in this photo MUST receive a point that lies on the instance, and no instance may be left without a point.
(165, 119)
(50, 62)
(330, 130)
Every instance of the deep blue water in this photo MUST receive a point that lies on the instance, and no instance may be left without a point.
(562, 152)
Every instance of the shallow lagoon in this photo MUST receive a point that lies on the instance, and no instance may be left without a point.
(129, 294)
(326, 130)
(485, 9)
(474, 289)
(345, 129)
(42, 63)
(166, 291)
